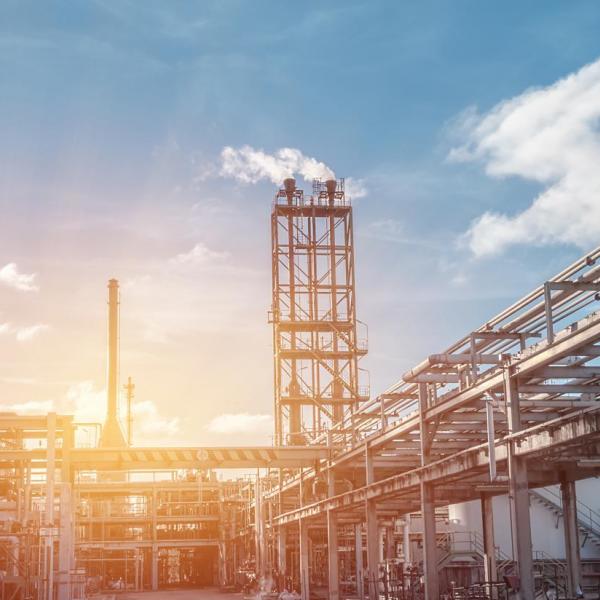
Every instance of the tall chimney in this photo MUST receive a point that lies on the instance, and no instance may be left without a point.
(112, 379)
(112, 434)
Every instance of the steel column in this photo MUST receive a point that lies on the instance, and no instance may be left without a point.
(571, 530)
(372, 531)
(332, 544)
(154, 569)
(427, 490)
(360, 582)
(430, 569)
(518, 493)
(489, 545)
(281, 550)
(304, 561)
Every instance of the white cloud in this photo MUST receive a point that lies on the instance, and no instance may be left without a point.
(355, 188)
(551, 136)
(200, 254)
(241, 423)
(88, 404)
(24, 282)
(26, 334)
(392, 230)
(23, 334)
(147, 420)
(31, 407)
(249, 165)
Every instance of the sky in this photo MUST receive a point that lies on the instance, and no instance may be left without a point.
(145, 141)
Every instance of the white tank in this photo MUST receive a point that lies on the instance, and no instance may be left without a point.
(546, 521)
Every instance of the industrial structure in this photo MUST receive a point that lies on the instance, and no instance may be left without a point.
(315, 341)
(359, 497)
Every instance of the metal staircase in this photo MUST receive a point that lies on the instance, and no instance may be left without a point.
(588, 520)
(469, 544)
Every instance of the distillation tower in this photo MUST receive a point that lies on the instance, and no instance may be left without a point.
(315, 331)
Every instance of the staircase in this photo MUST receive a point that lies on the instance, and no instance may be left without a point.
(549, 570)
(588, 520)
(469, 545)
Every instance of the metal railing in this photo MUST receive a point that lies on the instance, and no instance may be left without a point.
(527, 316)
(587, 517)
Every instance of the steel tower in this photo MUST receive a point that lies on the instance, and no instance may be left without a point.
(315, 342)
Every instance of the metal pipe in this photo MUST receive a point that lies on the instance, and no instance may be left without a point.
(489, 414)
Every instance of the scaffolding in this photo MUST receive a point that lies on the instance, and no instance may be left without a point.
(316, 345)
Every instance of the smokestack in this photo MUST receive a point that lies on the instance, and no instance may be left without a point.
(331, 186)
(289, 185)
(112, 383)
(112, 434)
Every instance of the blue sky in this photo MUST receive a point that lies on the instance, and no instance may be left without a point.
(113, 118)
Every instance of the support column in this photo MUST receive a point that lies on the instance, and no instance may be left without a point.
(154, 558)
(406, 541)
(304, 561)
(430, 569)
(65, 543)
(489, 545)
(154, 569)
(518, 493)
(372, 531)
(281, 551)
(66, 548)
(258, 529)
(332, 543)
(281, 536)
(390, 543)
(304, 550)
(49, 513)
(571, 529)
(360, 582)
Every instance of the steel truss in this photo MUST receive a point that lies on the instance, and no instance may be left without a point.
(315, 341)
(511, 406)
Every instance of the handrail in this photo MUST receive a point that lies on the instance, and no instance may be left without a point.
(543, 556)
(593, 523)
(474, 541)
(527, 315)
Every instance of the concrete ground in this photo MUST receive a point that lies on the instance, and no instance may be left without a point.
(203, 594)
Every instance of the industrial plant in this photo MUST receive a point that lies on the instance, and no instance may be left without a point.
(474, 475)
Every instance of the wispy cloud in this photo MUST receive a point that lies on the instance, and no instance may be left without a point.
(241, 423)
(88, 403)
(200, 254)
(31, 407)
(23, 334)
(24, 282)
(356, 188)
(393, 230)
(26, 334)
(148, 421)
(548, 135)
(251, 165)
